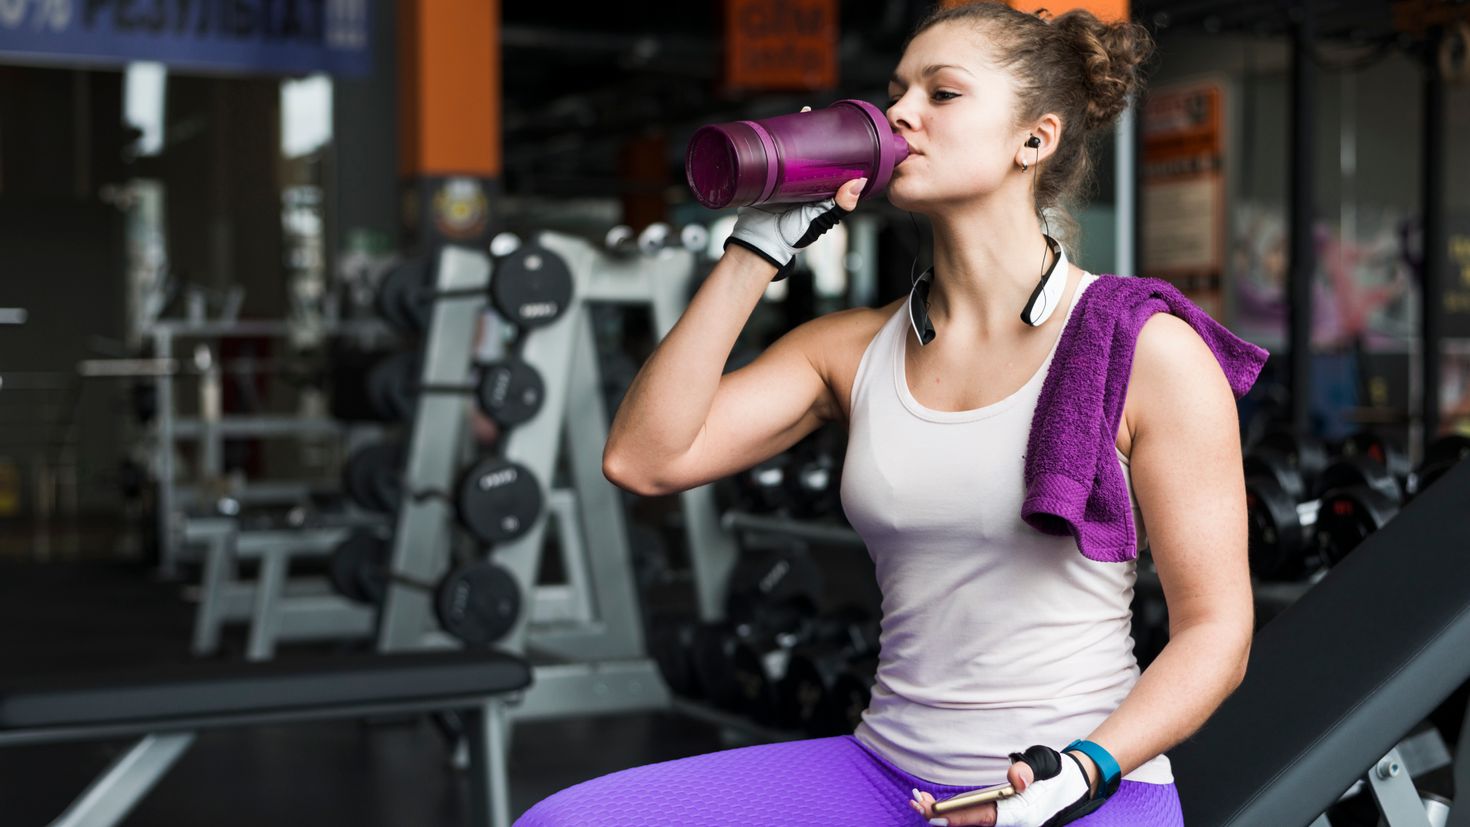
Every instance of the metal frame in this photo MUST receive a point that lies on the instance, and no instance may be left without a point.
(1391, 780)
(276, 607)
(212, 427)
(113, 794)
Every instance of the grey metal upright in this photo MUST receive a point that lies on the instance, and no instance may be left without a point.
(423, 534)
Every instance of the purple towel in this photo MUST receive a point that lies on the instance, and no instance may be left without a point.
(1073, 482)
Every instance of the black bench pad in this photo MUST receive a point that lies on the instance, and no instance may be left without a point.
(1342, 675)
(224, 689)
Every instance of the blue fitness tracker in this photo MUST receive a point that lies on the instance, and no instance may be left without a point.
(1107, 766)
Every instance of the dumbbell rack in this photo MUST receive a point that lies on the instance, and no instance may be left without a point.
(591, 629)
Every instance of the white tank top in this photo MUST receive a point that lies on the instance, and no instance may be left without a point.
(994, 635)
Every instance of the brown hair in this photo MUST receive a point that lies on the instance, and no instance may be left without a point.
(1075, 65)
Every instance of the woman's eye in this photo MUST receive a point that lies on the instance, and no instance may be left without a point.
(942, 95)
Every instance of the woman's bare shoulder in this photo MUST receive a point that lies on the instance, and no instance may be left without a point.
(835, 344)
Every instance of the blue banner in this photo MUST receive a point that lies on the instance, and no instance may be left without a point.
(242, 36)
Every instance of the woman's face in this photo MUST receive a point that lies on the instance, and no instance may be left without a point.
(956, 110)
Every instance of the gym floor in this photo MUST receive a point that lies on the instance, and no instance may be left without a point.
(82, 614)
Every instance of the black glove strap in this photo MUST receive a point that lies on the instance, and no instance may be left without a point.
(1046, 763)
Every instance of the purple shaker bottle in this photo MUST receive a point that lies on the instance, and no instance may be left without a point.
(806, 156)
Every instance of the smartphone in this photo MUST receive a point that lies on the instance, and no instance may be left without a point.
(972, 798)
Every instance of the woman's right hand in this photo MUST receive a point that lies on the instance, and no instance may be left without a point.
(777, 231)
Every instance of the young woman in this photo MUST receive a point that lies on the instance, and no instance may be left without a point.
(996, 635)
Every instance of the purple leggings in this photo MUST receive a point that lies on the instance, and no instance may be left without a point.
(835, 781)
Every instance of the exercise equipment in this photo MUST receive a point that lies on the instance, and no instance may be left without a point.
(372, 476)
(390, 385)
(770, 576)
(508, 390)
(476, 603)
(761, 489)
(1395, 616)
(1286, 538)
(165, 708)
(532, 287)
(760, 657)
(842, 709)
(404, 299)
(804, 692)
(498, 500)
(358, 567)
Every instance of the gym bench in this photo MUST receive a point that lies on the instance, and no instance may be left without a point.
(1336, 681)
(166, 707)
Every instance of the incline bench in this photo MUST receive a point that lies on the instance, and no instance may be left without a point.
(167, 706)
(1336, 680)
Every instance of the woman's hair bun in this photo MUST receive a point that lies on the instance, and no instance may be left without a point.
(1112, 56)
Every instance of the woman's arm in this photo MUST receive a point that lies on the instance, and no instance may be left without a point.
(1187, 476)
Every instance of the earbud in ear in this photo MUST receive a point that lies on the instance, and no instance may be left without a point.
(1033, 142)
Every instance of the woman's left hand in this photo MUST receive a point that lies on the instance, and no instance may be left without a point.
(1048, 785)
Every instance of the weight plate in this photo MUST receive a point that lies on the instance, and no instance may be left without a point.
(1305, 454)
(392, 386)
(532, 286)
(371, 476)
(358, 567)
(510, 391)
(403, 298)
(498, 500)
(478, 603)
(1361, 469)
(1277, 465)
(1346, 519)
(1274, 531)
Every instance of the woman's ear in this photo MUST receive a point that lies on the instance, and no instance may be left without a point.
(1041, 140)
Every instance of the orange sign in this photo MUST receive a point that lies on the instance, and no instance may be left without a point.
(780, 44)
(1110, 10)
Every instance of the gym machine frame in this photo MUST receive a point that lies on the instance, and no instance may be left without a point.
(211, 428)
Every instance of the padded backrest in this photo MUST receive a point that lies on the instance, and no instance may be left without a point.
(1342, 675)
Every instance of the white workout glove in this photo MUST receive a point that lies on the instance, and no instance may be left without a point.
(1059, 795)
(777, 231)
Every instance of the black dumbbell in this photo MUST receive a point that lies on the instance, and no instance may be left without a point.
(776, 573)
(508, 390)
(814, 665)
(842, 710)
(762, 654)
(405, 295)
(498, 500)
(358, 567)
(1295, 460)
(530, 286)
(390, 384)
(1380, 450)
(1288, 538)
(476, 603)
(761, 489)
(812, 486)
(372, 476)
